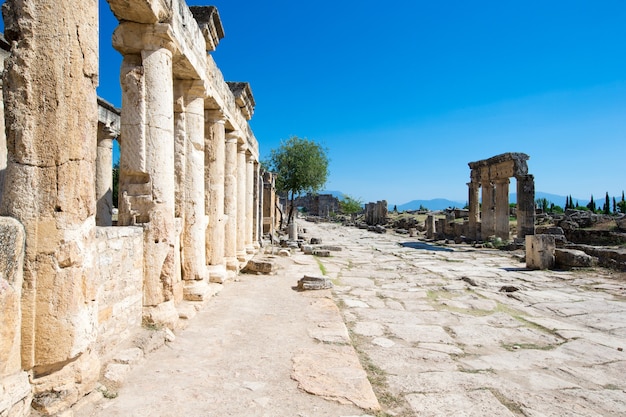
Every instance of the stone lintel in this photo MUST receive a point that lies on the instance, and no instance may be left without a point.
(131, 38)
(109, 118)
(243, 97)
(506, 165)
(210, 24)
(141, 11)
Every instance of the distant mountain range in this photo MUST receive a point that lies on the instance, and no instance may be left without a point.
(442, 203)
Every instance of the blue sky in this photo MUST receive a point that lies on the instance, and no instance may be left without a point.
(405, 93)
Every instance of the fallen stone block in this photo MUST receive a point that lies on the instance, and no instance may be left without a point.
(260, 266)
(331, 248)
(321, 252)
(316, 241)
(572, 258)
(314, 283)
(284, 252)
(307, 249)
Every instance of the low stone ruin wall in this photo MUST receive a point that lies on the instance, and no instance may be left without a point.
(119, 281)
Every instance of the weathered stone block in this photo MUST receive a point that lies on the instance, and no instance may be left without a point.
(314, 283)
(572, 258)
(540, 251)
(321, 252)
(261, 266)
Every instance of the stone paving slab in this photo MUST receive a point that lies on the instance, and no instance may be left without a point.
(448, 347)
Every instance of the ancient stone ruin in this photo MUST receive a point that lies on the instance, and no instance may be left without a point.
(376, 213)
(493, 176)
(72, 286)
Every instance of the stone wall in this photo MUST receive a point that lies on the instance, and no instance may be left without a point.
(318, 204)
(119, 285)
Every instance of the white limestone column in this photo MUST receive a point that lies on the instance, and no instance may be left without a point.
(502, 209)
(242, 148)
(258, 206)
(147, 179)
(249, 223)
(230, 202)
(215, 157)
(104, 176)
(189, 96)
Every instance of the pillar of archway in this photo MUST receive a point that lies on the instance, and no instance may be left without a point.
(249, 231)
(525, 205)
(502, 229)
(488, 211)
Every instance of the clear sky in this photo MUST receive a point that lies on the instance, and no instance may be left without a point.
(404, 93)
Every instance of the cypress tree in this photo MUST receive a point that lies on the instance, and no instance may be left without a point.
(607, 204)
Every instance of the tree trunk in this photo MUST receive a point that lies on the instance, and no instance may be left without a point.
(289, 219)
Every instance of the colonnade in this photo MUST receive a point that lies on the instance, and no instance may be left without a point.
(189, 193)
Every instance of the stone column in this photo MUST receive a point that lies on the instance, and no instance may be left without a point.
(258, 206)
(104, 176)
(242, 172)
(189, 101)
(214, 168)
(502, 209)
(230, 202)
(249, 231)
(51, 113)
(147, 179)
(474, 209)
(488, 212)
(525, 206)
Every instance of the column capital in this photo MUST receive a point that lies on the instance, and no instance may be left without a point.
(232, 136)
(132, 38)
(215, 116)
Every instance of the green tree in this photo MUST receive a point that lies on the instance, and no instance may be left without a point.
(592, 204)
(543, 203)
(607, 204)
(351, 206)
(301, 165)
(116, 183)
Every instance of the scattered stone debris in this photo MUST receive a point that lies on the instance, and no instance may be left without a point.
(314, 283)
(508, 288)
(469, 281)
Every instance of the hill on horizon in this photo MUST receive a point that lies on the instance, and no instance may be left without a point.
(442, 203)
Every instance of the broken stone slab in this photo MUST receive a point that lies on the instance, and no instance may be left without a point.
(314, 283)
(260, 266)
(284, 252)
(331, 248)
(321, 252)
(316, 241)
(334, 373)
(307, 249)
(572, 258)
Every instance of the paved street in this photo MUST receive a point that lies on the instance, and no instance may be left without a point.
(446, 339)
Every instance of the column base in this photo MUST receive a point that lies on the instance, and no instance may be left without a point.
(217, 273)
(242, 255)
(232, 263)
(250, 250)
(196, 290)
